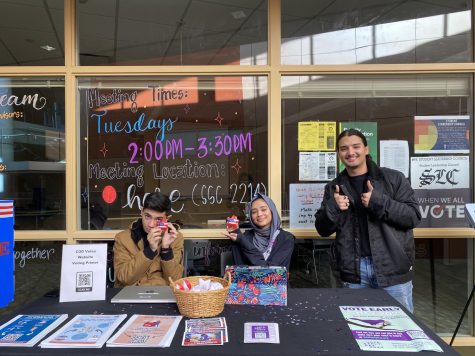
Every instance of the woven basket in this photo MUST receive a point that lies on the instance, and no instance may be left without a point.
(201, 304)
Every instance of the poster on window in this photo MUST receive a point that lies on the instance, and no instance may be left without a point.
(443, 208)
(442, 134)
(317, 166)
(305, 200)
(440, 172)
(317, 136)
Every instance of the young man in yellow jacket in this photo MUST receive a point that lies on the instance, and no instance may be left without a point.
(151, 250)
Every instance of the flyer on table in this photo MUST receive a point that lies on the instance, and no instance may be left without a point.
(83, 272)
(386, 328)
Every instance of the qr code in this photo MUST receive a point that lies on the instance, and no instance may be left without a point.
(11, 337)
(139, 339)
(372, 344)
(84, 281)
(262, 335)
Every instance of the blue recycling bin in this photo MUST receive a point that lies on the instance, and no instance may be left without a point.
(7, 257)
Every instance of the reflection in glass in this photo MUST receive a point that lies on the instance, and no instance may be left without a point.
(201, 140)
(32, 33)
(391, 103)
(172, 32)
(386, 31)
(32, 151)
(442, 278)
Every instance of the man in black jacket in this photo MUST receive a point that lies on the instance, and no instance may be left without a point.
(373, 211)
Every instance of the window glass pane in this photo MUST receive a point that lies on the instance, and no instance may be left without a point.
(383, 31)
(37, 271)
(32, 33)
(430, 115)
(172, 32)
(32, 151)
(442, 278)
(442, 284)
(201, 140)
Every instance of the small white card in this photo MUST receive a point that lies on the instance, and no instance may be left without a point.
(83, 272)
(261, 333)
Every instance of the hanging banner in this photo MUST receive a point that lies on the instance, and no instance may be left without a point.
(7, 260)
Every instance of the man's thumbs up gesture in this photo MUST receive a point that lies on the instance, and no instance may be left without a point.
(342, 200)
(365, 197)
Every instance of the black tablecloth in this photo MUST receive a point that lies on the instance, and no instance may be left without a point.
(311, 324)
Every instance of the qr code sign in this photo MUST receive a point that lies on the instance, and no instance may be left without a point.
(84, 281)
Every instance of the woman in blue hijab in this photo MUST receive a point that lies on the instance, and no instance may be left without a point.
(266, 243)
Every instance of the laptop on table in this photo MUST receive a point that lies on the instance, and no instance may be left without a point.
(145, 294)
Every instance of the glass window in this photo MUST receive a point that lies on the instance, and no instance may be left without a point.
(32, 33)
(172, 32)
(200, 139)
(383, 31)
(32, 165)
(442, 283)
(442, 278)
(37, 271)
(418, 124)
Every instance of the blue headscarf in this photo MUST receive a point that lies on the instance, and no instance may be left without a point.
(264, 239)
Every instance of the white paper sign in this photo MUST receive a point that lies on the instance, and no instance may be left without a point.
(317, 166)
(83, 272)
(395, 154)
(440, 172)
(305, 199)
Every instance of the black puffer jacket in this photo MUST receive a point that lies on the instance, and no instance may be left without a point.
(392, 214)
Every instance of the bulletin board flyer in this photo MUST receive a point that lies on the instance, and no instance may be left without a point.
(386, 328)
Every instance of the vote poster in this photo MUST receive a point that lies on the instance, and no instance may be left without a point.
(443, 208)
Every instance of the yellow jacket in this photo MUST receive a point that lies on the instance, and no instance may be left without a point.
(132, 267)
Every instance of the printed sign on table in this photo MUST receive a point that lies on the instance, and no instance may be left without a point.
(83, 272)
(442, 134)
(386, 328)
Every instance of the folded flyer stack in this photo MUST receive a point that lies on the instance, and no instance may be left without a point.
(84, 331)
(27, 330)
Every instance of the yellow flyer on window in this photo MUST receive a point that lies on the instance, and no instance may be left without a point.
(317, 136)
